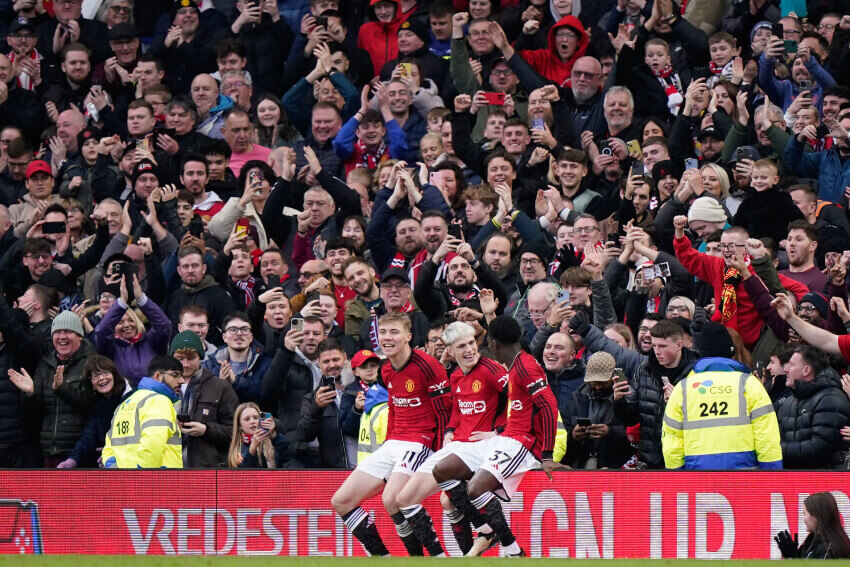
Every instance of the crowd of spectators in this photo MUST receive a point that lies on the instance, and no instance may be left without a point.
(249, 185)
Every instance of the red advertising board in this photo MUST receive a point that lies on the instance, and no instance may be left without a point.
(607, 514)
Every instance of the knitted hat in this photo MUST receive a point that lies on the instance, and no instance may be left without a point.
(88, 133)
(758, 26)
(417, 27)
(180, 4)
(535, 248)
(706, 209)
(818, 300)
(144, 166)
(600, 367)
(664, 168)
(187, 340)
(67, 321)
(713, 340)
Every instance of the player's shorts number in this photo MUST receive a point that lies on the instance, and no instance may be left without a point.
(500, 457)
(408, 456)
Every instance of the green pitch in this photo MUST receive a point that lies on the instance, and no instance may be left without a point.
(133, 561)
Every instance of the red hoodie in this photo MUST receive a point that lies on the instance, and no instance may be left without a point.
(381, 39)
(547, 62)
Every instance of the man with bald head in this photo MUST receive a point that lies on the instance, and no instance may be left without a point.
(19, 107)
(211, 106)
(584, 97)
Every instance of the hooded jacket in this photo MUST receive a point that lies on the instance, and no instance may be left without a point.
(248, 384)
(547, 62)
(379, 38)
(206, 294)
(810, 422)
(211, 125)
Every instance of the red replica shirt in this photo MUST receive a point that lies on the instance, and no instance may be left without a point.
(479, 399)
(419, 404)
(533, 413)
(344, 295)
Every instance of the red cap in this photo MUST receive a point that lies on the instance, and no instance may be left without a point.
(38, 165)
(362, 356)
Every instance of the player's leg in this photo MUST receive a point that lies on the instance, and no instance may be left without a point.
(346, 502)
(461, 528)
(395, 484)
(481, 493)
(420, 486)
(451, 475)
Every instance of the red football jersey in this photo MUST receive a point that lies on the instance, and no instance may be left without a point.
(533, 410)
(419, 404)
(479, 399)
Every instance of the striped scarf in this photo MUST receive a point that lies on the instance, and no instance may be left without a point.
(672, 85)
(24, 80)
(248, 287)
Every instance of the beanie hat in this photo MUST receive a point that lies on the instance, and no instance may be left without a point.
(818, 300)
(537, 249)
(67, 321)
(144, 166)
(180, 4)
(417, 27)
(664, 168)
(88, 133)
(758, 26)
(187, 340)
(706, 209)
(713, 340)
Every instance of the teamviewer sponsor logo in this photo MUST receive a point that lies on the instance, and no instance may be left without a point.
(406, 402)
(467, 407)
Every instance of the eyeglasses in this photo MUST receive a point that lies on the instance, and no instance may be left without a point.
(231, 86)
(39, 256)
(806, 308)
(585, 74)
(790, 33)
(238, 330)
(539, 313)
(123, 42)
(24, 36)
(100, 375)
(586, 230)
(730, 246)
(565, 34)
(106, 297)
(530, 262)
(478, 33)
(395, 286)
(120, 9)
(502, 72)
(677, 309)
(826, 26)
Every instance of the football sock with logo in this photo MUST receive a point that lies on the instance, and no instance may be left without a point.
(405, 532)
(364, 529)
(456, 491)
(423, 529)
(491, 509)
(461, 530)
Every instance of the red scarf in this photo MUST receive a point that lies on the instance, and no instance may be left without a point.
(246, 438)
(399, 261)
(456, 301)
(714, 68)
(672, 85)
(369, 159)
(729, 298)
(664, 72)
(248, 287)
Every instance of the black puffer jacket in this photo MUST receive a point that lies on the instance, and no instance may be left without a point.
(286, 382)
(322, 424)
(612, 450)
(268, 45)
(66, 410)
(17, 350)
(810, 423)
(646, 405)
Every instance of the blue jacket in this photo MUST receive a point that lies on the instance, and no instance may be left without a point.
(249, 384)
(344, 141)
(293, 11)
(833, 176)
(132, 358)
(299, 98)
(414, 128)
(783, 92)
(211, 126)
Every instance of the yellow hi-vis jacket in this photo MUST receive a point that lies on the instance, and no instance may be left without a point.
(144, 431)
(720, 419)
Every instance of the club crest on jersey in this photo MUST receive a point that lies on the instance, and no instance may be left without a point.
(410, 385)
(476, 386)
